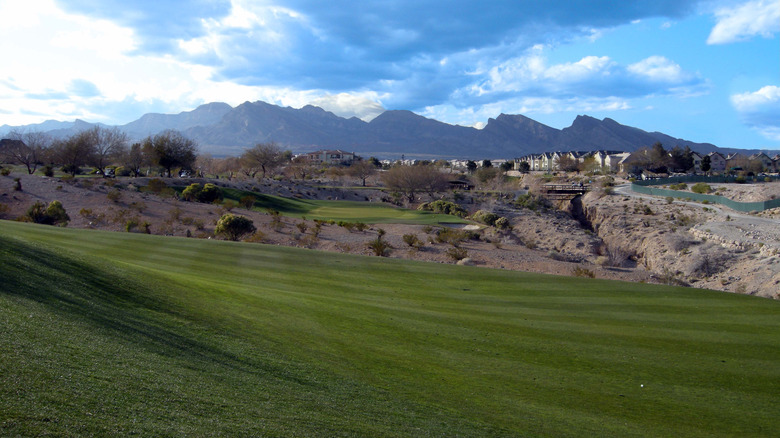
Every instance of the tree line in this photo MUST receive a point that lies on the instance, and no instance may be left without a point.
(99, 148)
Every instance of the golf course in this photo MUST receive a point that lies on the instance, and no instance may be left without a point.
(107, 333)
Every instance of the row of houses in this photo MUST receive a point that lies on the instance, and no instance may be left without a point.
(617, 161)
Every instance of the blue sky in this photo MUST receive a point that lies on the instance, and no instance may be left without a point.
(703, 70)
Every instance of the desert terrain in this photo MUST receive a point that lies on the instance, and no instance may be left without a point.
(610, 233)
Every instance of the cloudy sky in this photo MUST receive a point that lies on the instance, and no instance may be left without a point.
(703, 70)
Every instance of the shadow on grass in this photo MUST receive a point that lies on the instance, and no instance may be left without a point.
(114, 301)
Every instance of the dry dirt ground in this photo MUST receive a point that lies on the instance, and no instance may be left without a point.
(607, 236)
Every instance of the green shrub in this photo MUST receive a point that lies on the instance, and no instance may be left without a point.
(233, 227)
(531, 202)
(54, 214)
(701, 188)
(445, 207)
(485, 217)
(5, 171)
(679, 186)
(210, 193)
(740, 180)
(502, 223)
(48, 171)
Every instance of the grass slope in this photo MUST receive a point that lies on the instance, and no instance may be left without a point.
(127, 333)
(342, 210)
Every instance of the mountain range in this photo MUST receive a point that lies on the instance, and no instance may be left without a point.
(222, 130)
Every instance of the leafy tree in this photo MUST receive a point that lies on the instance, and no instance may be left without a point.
(681, 159)
(410, 180)
(706, 163)
(471, 166)
(263, 157)
(233, 227)
(361, 170)
(171, 149)
(486, 164)
(524, 166)
(506, 166)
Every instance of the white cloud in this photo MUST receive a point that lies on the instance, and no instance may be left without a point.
(760, 110)
(658, 69)
(76, 67)
(766, 97)
(364, 107)
(759, 17)
(529, 106)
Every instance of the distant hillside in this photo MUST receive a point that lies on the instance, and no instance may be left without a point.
(221, 129)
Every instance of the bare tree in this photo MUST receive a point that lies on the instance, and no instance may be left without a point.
(135, 159)
(73, 152)
(361, 170)
(26, 148)
(410, 180)
(108, 144)
(301, 168)
(263, 157)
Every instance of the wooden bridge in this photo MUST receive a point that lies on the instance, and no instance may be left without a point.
(564, 191)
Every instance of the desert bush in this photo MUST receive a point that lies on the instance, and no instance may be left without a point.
(531, 202)
(131, 224)
(446, 207)
(54, 214)
(679, 186)
(138, 206)
(613, 255)
(669, 200)
(229, 205)
(740, 180)
(18, 184)
(156, 185)
(380, 247)
(457, 253)
(48, 171)
(276, 219)
(256, 237)
(701, 188)
(412, 240)
(502, 223)
(452, 236)
(302, 227)
(485, 217)
(5, 171)
(583, 272)
(233, 227)
(114, 195)
(247, 201)
(4, 209)
(360, 226)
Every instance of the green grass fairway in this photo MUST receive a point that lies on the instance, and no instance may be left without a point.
(351, 211)
(117, 334)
